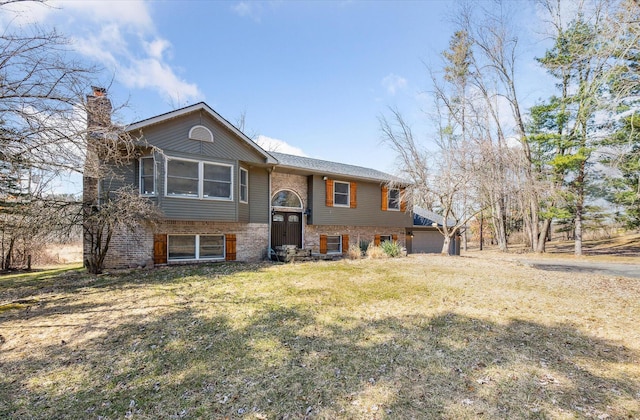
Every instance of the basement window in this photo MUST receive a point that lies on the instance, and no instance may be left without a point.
(334, 244)
(195, 247)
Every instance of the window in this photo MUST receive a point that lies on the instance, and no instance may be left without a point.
(182, 247)
(334, 244)
(182, 178)
(189, 178)
(340, 193)
(244, 185)
(286, 198)
(386, 238)
(393, 199)
(211, 247)
(200, 133)
(196, 247)
(147, 175)
(293, 218)
(217, 181)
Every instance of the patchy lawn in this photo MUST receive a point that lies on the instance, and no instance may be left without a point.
(418, 337)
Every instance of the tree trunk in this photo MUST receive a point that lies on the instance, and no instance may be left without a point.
(464, 240)
(445, 245)
(499, 224)
(542, 237)
(6, 262)
(578, 228)
(535, 228)
(481, 232)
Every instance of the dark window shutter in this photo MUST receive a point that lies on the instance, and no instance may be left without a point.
(345, 244)
(353, 193)
(403, 201)
(395, 238)
(230, 247)
(376, 240)
(160, 249)
(323, 244)
(385, 197)
(329, 195)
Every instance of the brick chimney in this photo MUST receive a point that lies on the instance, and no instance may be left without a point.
(98, 109)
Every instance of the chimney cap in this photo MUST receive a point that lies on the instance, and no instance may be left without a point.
(99, 91)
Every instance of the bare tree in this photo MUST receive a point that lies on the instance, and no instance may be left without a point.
(442, 181)
(45, 132)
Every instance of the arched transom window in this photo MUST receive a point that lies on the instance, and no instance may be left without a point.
(286, 198)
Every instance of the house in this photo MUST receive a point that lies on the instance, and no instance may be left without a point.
(223, 197)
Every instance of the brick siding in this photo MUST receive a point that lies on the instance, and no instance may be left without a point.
(135, 249)
(356, 233)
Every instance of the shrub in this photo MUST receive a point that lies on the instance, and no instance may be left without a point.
(354, 252)
(364, 245)
(392, 249)
(375, 252)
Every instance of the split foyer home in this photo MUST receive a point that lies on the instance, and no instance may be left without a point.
(222, 197)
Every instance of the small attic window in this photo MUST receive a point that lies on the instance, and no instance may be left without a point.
(200, 133)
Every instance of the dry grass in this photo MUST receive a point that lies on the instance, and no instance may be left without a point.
(617, 249)
(417, 337)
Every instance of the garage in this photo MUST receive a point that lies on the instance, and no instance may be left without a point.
(426, 242)
(425, 237)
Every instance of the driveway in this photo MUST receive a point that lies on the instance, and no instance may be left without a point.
(603, 268)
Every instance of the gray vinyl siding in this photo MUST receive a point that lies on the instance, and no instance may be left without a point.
(122, 176)
(191, 208)
(259, 199)
(367, 213)
(172, 137)
(243, 212)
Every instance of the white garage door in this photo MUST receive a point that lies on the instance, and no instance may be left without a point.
(427, 242)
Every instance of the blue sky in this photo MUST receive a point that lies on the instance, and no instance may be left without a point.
(315, 75)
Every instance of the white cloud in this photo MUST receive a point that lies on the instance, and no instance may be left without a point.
(393, 83)
(121, 37)
(275, 145)
(156, 74)
(248, 9)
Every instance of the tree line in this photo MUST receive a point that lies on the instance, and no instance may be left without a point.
(522, 168)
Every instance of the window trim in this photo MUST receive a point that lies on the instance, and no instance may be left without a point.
(197, 248)
(397, 203)
(348, 184)
(200, 195)
(200, 126)
(246, 186)
(286, 207)
(339, 251)
(387, 238)
(140, 176)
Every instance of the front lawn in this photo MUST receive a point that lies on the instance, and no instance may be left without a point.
(417, 337)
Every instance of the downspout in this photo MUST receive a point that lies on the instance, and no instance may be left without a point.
(269, 209)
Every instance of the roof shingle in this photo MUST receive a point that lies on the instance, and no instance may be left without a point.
(325, 167)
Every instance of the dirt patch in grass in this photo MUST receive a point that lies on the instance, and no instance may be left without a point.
(418, 337)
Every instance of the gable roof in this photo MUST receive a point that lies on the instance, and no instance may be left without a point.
(424, 217)
(201, 106)
(325, 167)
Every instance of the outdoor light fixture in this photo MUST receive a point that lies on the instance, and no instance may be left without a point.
(307, 212)
(324, 178)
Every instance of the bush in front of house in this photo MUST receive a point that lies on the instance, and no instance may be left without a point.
(354, 252)
(375, 252)
(391, 248)
(364, 246)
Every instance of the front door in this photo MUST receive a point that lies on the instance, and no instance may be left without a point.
(286, 229)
